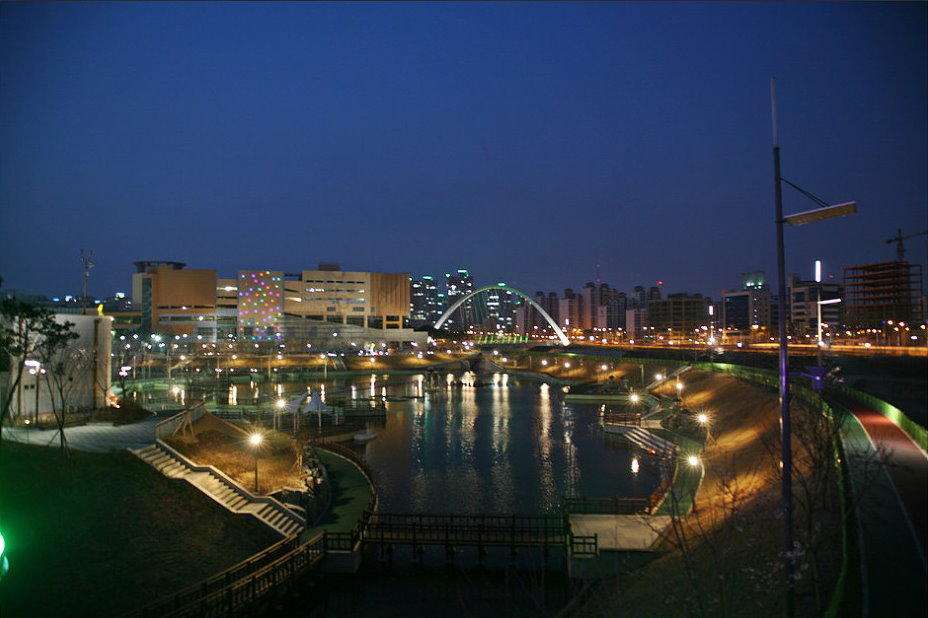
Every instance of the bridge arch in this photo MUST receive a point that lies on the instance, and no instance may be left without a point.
(447, 314)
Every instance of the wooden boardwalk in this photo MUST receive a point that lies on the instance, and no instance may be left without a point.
(455, 530)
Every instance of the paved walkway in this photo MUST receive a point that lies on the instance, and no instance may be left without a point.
(95, 437)
(889, 476)
(351, 495)
(621, 532)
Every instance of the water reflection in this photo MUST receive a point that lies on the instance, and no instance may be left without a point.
(548, 483)
(490, 448)
(462, 442)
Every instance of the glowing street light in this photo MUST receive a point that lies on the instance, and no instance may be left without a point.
(703, 420)
(255, 440)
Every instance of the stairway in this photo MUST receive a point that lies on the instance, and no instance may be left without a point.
(643, 438)
(222, 489)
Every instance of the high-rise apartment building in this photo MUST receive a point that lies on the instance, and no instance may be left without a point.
(457, 285)
(804, 305)
(752, 307)
(679, 316)
(501, 307)
(425, 303)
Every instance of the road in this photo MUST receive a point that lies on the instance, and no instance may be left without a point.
(889, 477)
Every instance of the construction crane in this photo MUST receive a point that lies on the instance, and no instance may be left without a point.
(900, 248)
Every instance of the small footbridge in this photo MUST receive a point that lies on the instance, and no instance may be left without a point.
(481, 531)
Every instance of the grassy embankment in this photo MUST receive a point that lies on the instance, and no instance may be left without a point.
(226, 446)
(101, 534)
(725, 558)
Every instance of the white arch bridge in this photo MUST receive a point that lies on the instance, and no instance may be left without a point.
(457, 304)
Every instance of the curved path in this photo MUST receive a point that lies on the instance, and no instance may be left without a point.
(889, 477)
(96, 437)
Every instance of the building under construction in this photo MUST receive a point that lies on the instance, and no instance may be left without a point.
(879, 293)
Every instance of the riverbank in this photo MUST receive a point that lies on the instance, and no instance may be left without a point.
(724, 558)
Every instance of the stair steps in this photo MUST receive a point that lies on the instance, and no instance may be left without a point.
(222, 489)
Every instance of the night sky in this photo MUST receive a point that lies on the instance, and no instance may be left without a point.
(525, 142)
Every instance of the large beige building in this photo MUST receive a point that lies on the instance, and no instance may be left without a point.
(272, 305)
(173, 300)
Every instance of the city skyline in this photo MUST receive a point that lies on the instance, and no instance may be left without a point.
(526, 143)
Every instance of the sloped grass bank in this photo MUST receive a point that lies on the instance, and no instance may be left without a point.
(102, 534)
(724, 558)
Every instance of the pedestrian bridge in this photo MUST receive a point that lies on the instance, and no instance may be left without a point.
(457, 304)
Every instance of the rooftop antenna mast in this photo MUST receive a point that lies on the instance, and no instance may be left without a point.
(88, 264)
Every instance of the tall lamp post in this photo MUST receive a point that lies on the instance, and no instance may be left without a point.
(825, 211)
(255, 440)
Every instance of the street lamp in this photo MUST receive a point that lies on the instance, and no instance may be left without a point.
(280, 404)
(825, 211)
(703, 420)
(255, 440)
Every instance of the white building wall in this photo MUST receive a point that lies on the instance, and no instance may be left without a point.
(93, 381)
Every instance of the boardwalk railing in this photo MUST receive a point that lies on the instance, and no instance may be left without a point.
(584, 545)
(476, 530)
(632, 419)
(221, 593)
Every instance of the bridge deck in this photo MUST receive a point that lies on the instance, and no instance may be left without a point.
(475, 530)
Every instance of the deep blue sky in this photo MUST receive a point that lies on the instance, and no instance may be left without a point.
(525, 142)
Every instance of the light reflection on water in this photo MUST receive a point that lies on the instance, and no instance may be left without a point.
(488, 444)
(500, 446)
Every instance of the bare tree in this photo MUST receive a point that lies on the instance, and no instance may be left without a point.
(24, 329)
(66, 375)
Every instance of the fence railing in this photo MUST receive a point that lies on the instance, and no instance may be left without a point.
(467, 529)
(583, 545)
(169, 425)
(190, 600)
(630, 419)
